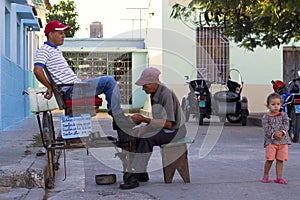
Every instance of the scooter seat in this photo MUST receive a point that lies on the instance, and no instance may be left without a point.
(226, 96)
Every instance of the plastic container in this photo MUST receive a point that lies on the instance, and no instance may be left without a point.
(38, 102)
(105, 179)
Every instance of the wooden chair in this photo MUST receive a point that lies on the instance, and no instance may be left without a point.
(85, 104)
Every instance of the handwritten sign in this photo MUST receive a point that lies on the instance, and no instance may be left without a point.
(75, 126)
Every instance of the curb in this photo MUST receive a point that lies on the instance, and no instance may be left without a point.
(29, 173)
(254, 121)
(25, 180)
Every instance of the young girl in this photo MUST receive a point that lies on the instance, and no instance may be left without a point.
(275, 125)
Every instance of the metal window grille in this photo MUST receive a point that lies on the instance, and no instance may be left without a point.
(118, 65)
(212, 54)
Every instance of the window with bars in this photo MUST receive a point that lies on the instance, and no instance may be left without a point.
(212, 54)
(118, 65)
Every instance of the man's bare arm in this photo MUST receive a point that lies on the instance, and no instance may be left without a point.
(40, 75)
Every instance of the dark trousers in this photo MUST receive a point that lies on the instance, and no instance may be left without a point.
(145, 146)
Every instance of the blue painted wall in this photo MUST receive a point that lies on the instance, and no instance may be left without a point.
(15, 17)
(12, 80)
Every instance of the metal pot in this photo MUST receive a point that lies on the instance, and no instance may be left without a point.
(105, 179)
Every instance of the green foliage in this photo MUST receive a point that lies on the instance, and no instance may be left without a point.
(65, 12)
(250, 23)
(37, 141)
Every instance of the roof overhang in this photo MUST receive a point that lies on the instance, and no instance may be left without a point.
(19, 1)
(101, 49)
(35, 24)
(25, 11)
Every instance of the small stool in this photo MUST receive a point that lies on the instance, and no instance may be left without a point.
(174, 157)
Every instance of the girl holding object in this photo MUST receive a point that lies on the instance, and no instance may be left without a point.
(276, 139)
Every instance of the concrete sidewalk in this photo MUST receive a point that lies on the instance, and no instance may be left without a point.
(21, 170)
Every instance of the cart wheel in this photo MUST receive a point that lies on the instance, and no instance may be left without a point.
(56, 166)
(49, 183)
(47, 133)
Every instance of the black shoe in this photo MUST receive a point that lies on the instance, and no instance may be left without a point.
(131, 182)
(129, 185)
(143, 177)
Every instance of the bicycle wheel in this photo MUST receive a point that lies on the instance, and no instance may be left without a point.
(48, 140)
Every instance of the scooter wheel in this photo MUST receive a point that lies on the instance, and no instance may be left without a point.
(200, 120)
(234, 118)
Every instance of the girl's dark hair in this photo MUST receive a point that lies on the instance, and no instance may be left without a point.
(273, 96)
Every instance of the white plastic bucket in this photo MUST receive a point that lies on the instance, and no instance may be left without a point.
(38, 102)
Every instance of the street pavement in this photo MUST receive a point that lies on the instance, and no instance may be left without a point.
(225, 161)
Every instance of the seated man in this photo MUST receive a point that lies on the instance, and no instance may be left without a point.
(49, 56)
(167, 125)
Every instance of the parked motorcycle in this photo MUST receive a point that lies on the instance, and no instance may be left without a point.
(198, 101)
(225, 104)
(291, 104)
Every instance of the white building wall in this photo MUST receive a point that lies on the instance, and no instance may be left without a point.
(258, 68)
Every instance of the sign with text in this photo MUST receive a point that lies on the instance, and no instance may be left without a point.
(75, 126)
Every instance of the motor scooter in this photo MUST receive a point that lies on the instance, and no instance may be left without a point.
(198, 101)
(290, 104)
(225, 104)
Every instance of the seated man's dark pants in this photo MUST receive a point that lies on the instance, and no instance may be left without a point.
(146, 143)
(143, 153)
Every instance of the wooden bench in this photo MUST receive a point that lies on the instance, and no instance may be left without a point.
(175, 157)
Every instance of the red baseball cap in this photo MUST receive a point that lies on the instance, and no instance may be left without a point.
(57, 26)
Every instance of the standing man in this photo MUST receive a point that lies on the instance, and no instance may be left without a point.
(166, 125)
(49, 56)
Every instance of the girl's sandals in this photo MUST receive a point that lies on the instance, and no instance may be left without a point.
(280, 181)
(265, 179)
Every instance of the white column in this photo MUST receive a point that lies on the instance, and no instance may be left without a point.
(13, 32)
